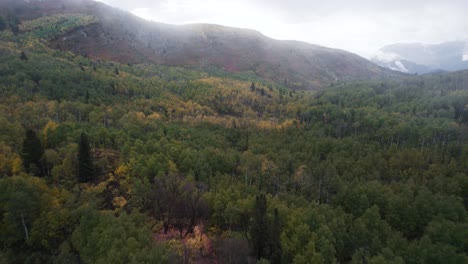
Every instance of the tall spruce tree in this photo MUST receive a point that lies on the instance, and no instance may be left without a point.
(259, 229)
(3, 24)
(32, 153)
(14, 22)
(252, 87)
(23, 56)
(275, 240)
(86, 170)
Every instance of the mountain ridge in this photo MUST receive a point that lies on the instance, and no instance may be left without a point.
(424, 58)
(121, 36)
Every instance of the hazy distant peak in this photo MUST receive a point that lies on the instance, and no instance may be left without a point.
(428, 54)
(424, 58)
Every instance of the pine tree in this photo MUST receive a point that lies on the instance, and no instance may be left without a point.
(3, 24)
(252, 87)
(32, 153)
(23, 56)
(14, 24)
(275, 240)
(259, 228)
(85, 162)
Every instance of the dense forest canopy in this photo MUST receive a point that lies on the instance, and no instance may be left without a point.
(103, 162)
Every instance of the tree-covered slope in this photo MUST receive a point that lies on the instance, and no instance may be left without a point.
(184, 164)
(120, 36)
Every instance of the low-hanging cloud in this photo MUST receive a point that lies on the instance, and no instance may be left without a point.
(360, 26)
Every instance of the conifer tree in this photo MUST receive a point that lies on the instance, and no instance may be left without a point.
(32, 153)
(85, 162)
(275, 240)
(252, 87)
(3, 24)
(14, 24)
(23, 56)
(87, 97)
(259, 228)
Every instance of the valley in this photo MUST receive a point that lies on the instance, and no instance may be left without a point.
(125, 141)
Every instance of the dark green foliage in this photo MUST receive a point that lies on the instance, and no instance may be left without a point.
(275, 239)
(87, 97)
(102, 238)
(34, 221)
(233, 136)
(23, 56)
(86, 169)
(368, 172)
(259, 234)
(14, 22)
(3, 24)
(265, 234)
(31, 153)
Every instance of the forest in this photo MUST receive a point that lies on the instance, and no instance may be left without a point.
(102, 162)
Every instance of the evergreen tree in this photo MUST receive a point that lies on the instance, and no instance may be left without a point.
(14, 22)
(85, 162)
(32, 153)
(23, 56)
(3, 24)
(262, 92)
(259, 228)
(252, 87)
(275, 240)
(87, 97)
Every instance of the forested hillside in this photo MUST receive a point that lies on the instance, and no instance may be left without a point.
(103, 162)
(112, 34)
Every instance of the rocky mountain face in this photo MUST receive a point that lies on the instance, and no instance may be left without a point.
(120, 36)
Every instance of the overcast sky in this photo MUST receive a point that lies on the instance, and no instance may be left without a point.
(359, 26)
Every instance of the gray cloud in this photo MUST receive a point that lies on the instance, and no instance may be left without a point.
(361, 26)
(130, 5)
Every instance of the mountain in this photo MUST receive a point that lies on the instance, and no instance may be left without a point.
(120, 36)
(424, 58)
(406, 66)
(108, 162)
